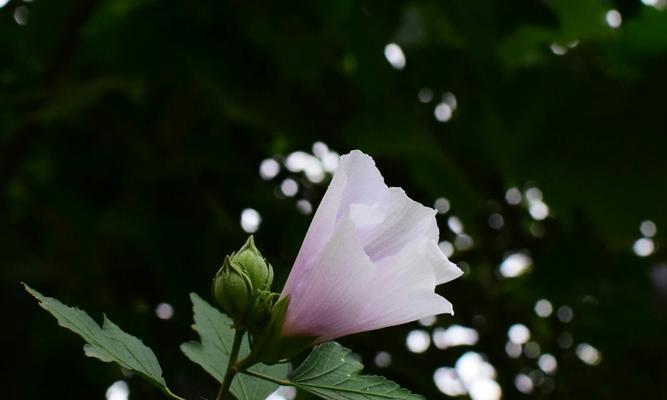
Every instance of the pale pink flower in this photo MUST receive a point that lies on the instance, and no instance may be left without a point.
(370, 259)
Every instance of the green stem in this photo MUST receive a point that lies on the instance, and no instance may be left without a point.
(232, 369)
(171, 394)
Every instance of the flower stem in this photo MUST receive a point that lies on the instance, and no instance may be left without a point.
(170, 394)
(224, 394)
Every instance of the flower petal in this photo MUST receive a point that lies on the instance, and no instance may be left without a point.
(405, 220)
(330, 296)
(402, 291)
(357, 181)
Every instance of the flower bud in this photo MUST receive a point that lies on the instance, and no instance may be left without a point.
(232, 290)
(252, 262)
(262, 307)
(241, 287)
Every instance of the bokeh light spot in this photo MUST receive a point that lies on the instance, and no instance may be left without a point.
(613, 18)
(513, 350)
(269, 168)
(565, 314)
(455, 335)
(164, 311)
(418, 341)
(648, 228)
(485, 389)
(394, 54)
(643, 247)
(382, 359)
(543, 308)
(289, 187)
(304, 207)
(283, 393)
(547, 363)
(441, 205)
(588, 354)
(425, 95)
(513, 196)
(518, 333)
(428, 321)
(118, 391)
(538, 210)
(557, 49)
(21, 15)
(449, 99)
(443, 112)
(523, 383)
(496, 221)
(463, 242)
(448, 382)
(515, 265)
(250, 220)
(455, 224)
(447, 248)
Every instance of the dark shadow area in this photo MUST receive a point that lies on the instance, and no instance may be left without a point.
(132, 134)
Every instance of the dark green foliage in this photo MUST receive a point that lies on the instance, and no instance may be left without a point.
(131, 132)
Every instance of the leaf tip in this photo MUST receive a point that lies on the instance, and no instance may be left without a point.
(33, 293)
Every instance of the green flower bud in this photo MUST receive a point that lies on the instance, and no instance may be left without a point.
(232, 290)
(241, 287)
(252, 262)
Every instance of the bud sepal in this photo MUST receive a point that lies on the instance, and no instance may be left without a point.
(232, 290)
(254, 264)
(270, 345)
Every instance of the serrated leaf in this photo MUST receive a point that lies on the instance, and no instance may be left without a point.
(108, 343)
(331, 372)
(216, 336)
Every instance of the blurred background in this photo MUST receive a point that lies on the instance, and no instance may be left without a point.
(142, 140)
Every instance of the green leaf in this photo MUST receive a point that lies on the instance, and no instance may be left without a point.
(216, 335)
(330, 372)
(108, 343)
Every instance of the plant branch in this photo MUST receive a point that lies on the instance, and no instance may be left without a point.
(232, 369)
(171, 394)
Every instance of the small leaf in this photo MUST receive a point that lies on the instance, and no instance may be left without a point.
(108, 343)
(216, 335)
(330, 372)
